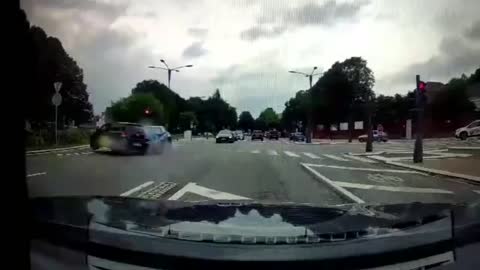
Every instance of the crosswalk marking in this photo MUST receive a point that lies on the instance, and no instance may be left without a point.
(362, 159)
(272, 153)
(290, 154)
(335, 157)
(255, 151)
(310, 155)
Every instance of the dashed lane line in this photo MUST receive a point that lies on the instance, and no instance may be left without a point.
(337, 158)
(255, 151)
(310, 155)
(36, 174)
(291, 154)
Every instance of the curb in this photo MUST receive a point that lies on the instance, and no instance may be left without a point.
(33, 152)
(470, 178)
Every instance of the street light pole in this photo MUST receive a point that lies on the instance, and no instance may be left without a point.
(169, 70)
(308, 127)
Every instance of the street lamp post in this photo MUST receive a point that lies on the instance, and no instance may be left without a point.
(169, 70)
(308, 127)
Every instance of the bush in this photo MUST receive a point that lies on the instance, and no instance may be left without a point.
(45, 137)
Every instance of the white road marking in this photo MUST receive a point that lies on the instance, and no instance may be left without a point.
(476, 191)
(205, 192)
(366, 160)
(290, 154)
(255, 151)
(68, 154)
(272, 153)
(137, 188)
(76, 154)
(59, 155)
(335, 157)
(332, 184)
(36, 174)
(364, 169)
(310, 155)
(393, 189)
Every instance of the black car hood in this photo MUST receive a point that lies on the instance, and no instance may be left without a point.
(243, 219)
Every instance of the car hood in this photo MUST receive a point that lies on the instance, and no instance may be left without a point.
(192, 221)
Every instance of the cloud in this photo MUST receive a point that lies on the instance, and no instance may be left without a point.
(194, 50)
(325, 14)
(257, 32)
(455, 57)
(198, 32)
(474, 31)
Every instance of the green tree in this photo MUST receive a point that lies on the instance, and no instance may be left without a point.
(295, 111)
(268, 118)
(172, 102)
(144, 108)
(187, 119)
(52, 63)
(246, 121)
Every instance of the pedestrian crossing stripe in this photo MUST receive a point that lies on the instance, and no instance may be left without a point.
(310, 155)
(272, 153)
(360, 159)
(255, 152)
(337, 158)
(290, 154)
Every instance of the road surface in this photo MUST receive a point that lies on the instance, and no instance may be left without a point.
(275, 171)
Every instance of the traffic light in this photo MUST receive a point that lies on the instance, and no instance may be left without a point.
(422, 86)
(147, 111)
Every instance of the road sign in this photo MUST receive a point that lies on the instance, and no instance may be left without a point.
(57, 86)
(57, 99)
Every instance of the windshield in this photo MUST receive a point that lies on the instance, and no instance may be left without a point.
(323, 103)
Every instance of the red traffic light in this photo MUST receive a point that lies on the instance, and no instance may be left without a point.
(422, 86)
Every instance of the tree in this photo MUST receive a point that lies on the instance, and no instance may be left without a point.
(340, 89)
(218, 113)
(136, 108)
(187, 119)
(53, 64)
(295, 111)
(172, 102)
(246, 121)
(268, 118)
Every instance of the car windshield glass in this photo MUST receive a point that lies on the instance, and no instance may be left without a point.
(324, 103)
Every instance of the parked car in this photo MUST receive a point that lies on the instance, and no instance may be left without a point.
(470, 130)
(159, 139)
(273, 135)
(239, 135)
(120, 137)
(297, 136)
(378, 136)
(257, 135)
(225, 136)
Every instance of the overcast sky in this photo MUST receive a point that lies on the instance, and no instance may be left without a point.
(246, 47)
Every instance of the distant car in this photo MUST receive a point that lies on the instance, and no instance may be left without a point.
(297, 136)
(378, 136)
(470, 130)
(225, 136)
(159, 139)
(273, 135)
(120, 137)
(257, 135)
(239, 135)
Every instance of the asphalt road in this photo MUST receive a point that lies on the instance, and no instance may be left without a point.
(268, 171)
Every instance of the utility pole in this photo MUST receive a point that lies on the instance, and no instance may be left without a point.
(308, 126)
(420, 104)
(369, 145)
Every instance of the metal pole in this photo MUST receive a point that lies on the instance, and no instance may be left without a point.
(418, 148)
(169, 76)
(308, 128)
(56, 123)
(368, 146)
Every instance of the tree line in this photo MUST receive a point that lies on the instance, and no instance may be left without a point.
(51, 63)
